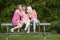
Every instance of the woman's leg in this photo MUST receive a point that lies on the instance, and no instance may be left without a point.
(27, 24)
(28, 30)
(35, 21)
(18, 30)
(21, 22)
(16, 27)
(34, 26)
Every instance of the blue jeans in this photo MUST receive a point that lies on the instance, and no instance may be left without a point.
(34, 21)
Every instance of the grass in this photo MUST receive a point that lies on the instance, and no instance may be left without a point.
(30, 37)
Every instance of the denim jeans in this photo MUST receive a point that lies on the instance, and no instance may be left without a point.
(34, 21)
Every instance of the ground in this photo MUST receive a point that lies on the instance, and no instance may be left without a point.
(30, 37)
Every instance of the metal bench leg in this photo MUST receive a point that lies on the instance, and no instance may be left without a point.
(7, 33)
(39, 28)
(44, 33)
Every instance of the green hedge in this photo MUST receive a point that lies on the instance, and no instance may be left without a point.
(47, 11)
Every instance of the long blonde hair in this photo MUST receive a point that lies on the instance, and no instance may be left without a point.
(29, 9)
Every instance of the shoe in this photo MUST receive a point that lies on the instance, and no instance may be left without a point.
(35, 32)
(25, 29)
(28, 32)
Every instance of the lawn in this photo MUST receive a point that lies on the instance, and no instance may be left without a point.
(30, 37)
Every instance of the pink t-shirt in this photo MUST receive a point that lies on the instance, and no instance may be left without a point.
(24, 16)
(33, 15)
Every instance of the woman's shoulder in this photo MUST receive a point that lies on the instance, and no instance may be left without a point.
(34, 10)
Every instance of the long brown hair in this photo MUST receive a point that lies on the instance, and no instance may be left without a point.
(25, 8)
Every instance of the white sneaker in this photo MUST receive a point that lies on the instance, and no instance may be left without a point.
(25, 29)
(35, 32)
(28, 32)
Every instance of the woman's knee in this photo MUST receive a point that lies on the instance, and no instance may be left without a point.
(19, 24)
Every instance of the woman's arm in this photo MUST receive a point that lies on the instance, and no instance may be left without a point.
(19, 12)
(35, 13)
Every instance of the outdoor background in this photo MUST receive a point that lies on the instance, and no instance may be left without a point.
(48, 11)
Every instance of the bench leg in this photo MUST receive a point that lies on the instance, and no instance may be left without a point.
(7, 33)
(39, 28)
(44, 33)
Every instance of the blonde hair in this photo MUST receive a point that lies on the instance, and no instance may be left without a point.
(29, 9)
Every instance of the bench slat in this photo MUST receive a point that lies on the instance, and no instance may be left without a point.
(6, 24)
(10, 24)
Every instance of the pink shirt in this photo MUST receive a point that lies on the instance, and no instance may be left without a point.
(33, 15)
(24, 16)
(16, 18)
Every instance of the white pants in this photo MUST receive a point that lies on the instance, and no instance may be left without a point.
(27, 22)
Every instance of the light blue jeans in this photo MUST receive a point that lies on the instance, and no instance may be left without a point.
(34, 21)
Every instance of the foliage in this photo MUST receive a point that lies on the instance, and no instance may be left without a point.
(47, 11)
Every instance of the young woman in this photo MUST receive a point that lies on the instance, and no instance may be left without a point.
(16, 18)
(25, 18)
(33, 17)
